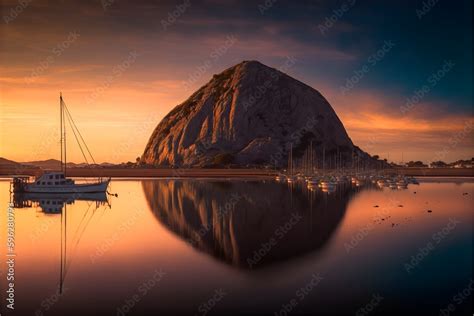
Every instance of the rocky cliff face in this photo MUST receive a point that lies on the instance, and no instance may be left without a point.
(249, 114)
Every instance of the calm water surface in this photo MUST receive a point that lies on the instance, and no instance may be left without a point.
(198, 247)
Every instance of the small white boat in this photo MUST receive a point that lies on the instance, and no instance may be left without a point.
(402, 183)
(55, 182)
(327, 184)
(280, 177)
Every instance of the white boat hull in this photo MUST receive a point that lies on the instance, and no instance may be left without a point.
(68, 188)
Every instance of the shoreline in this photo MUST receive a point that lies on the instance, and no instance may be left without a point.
(217, 173)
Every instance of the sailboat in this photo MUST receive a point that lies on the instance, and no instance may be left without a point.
(56, 181)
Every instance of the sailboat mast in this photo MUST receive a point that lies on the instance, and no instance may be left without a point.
(64, 133)
(291, 160)
(324, 159)
(61, 127)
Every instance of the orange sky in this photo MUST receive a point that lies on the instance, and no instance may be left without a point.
(119, 79)
(117, 124)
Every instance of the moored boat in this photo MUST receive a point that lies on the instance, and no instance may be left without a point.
(56, 181)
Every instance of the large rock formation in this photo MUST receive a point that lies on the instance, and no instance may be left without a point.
(249, 114)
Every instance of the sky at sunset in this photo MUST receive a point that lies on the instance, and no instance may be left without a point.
(398, 75)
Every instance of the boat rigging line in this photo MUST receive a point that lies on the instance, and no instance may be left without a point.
(74, 127)
(77, 135)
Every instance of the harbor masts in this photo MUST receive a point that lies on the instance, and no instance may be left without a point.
(324, 159)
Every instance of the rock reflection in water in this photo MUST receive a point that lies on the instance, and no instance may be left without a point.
(247, 223)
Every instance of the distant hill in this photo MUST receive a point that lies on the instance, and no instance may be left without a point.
(48, 164)
(107, 164)
(11, 167)
(8, 163)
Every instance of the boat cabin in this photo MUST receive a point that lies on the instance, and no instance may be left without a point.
(52, 178)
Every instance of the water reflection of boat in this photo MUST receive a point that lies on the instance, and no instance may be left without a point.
(54, 202)
(234, 220)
